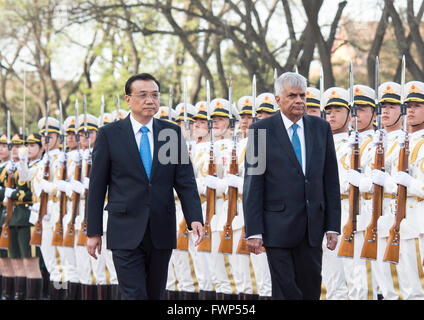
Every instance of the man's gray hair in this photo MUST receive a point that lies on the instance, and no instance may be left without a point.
(290, 79)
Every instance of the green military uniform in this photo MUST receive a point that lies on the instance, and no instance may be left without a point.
(3, 140)
(20, 232)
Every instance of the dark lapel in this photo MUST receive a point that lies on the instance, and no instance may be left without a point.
(281, 133)
(131, 146)
(309, 140)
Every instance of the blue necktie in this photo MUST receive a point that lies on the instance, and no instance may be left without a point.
(296, 144)
(145, 153)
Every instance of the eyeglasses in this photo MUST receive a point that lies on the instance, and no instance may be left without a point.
(145, 95)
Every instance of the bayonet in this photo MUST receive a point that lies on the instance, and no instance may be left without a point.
(24, 103)
(61, 131)
(321, 92)
(87, 134)
(77, 125)
(170, 104)
(254, 98)
(402, 94)
(376, 84)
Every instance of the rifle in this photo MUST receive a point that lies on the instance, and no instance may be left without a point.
(346, 248)
(5, 230)
(369, 249)
(82, 236)
(206, 243)
(393, 242)
(44, 197)
(57, 239)
(69, 239)
(182, 236)
(226, 244)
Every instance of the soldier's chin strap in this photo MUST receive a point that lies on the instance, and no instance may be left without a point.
(223, 134)
(344, 124)
(394, 123)
(373, 111)
(417, 125)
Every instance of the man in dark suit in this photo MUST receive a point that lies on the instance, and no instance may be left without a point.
(291, 194)
(129, 163)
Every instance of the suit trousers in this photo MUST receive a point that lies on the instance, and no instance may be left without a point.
(142, 272)
(295, 272)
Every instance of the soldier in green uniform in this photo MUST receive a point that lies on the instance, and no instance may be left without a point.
(8, 276)
(24, 258)
(28, 156)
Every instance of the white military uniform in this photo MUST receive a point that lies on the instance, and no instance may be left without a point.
(358, 272)
(182, 260)
(110, 272)
(333, 277)
(51, 256)
(221, 264)
(252, 270)
(385, 274)
(409, 268)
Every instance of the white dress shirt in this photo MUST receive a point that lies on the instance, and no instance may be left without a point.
(300, 132)
(137, 133)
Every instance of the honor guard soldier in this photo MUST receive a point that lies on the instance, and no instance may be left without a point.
(92, 271)
(171, 281)
(8, 276)
(38, 278)
(363, 286)
(251, 286)
(51, 255)
(34, 266)
(111, 277)
(201, 154)
(313, 97)
(24, 266)
(67, 163)
(221, 264)
(337, 108)
(182, 256)
(265, 105)
(391, 120)
(409, 267)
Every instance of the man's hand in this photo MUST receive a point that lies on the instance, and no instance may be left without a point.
(331, 241)
(255, 245)
(197, 228)
(93, 243)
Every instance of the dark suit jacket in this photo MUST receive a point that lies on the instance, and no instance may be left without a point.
(283, 203)
(134, 201)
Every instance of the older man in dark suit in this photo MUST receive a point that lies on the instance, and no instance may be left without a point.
(292, 198)
(129, 163)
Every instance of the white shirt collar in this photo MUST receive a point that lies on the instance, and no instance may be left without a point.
(288, 123)
(137, 125)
